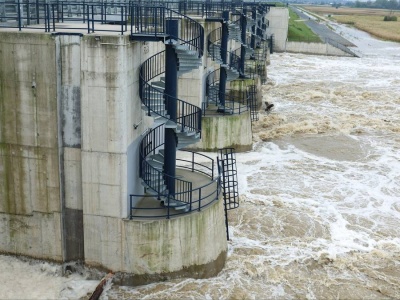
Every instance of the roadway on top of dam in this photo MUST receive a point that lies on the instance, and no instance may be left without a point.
(321, 29)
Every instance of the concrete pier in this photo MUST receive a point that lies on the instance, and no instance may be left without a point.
(71, 122)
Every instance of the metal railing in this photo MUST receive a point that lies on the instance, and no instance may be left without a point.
(235, 103)
(151, 21)
(194, 199)
(52, 16)
(199, 199)
(213, 41)
(189, 115)
(155, 178)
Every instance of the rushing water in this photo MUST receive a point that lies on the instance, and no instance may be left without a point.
(320, 193)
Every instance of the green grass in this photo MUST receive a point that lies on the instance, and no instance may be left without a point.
(298, 31)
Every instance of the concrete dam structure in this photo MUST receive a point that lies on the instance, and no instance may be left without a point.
(103, 107)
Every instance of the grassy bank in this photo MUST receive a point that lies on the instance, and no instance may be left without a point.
(366, 19)
(298, 31)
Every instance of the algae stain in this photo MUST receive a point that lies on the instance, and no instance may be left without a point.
(6, 178)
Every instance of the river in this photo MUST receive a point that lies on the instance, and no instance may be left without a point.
(320, 193)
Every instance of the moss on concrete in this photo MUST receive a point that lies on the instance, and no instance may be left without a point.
(208, 270)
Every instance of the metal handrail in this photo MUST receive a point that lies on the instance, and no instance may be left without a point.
(234, 104)
(153, 177)
(209, 171)
(204, 199)
(151, 20)
(189, 115)
(32, 14)
(213, 40)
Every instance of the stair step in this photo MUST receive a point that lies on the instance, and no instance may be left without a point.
(157, 157)
(186, 53)
(158, 120)
(158, 84)
(155, 164)
(170, 124)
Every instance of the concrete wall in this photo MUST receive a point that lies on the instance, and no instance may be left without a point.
(314, 48)
(30, 206)
(278, 26)
(147, 251)
(71, 122)
(68, 64)
(225, 131)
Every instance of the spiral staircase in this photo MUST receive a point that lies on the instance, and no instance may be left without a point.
(230, 66)
(151, 24)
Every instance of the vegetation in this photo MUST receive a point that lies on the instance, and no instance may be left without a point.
(388, 4)
(298, 31)
(390, 18)
(366, 19)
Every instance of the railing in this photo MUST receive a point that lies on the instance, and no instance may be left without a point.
(214, 40)
(199, 199)
(235, 103)
(54, 15)
(195, 198)
(192, 165)
(154, 178)
(151, 21)
(254, 69)
(189, 116)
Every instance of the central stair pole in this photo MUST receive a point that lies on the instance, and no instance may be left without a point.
(253, 28)
(222, 70)
(171, 91)
(243, 23)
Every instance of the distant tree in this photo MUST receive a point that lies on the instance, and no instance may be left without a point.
(393, 4)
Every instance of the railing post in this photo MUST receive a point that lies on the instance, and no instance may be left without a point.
(19, 15)
(132, 10)
(222, 70)
(171, 89)
(37, 11)
(199, 200)
(87, 18)
(53, 17)
(92, 18)
(122, 20)
(168, 206)
(253, 28)
(130, 207)
(243, 23)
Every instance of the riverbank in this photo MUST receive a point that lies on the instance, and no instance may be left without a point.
(368, 20)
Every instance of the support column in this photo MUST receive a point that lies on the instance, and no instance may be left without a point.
(253, 28)
(171, 89)
(222, 70)
(243, 24)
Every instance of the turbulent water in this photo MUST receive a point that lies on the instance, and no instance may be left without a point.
(320, 192)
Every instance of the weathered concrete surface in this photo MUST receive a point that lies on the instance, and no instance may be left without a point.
(159, 249)
(278, 26)
(225, 131)
(30, 205)
(315, 48)
(71, 121)
(68, 58)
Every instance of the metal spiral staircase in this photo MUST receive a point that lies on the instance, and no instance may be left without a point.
(177, 122)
